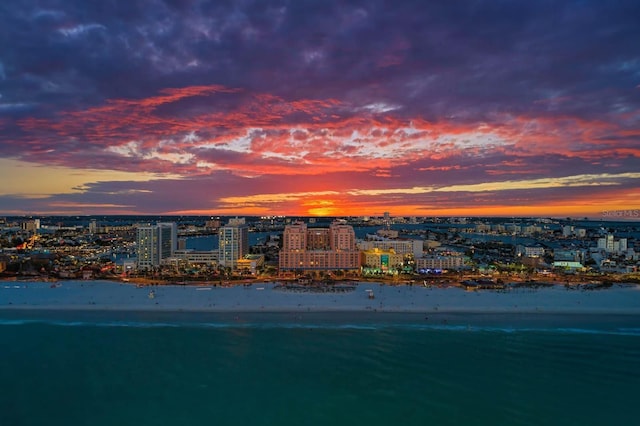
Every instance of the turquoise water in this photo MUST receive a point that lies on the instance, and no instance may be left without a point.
(104, 368)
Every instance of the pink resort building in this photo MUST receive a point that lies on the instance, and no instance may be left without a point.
(319, 249)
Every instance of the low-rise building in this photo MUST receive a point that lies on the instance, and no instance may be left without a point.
(531, 230)
(560, 255)
(250, 263)
(402, 246)
(567, 265)
(529, 251)
(380, 260)
(439, 261)
(198, 256)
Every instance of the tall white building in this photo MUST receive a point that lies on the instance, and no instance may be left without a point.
(610, 245)
(147, 246)
(233, 243)
(156, 243)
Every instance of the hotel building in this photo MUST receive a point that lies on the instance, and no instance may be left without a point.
(156, 243)
(399, 245)
(209, 257)
(319, 249)
(250, 263)
(449, 261)
(233, 243)
(381, 260)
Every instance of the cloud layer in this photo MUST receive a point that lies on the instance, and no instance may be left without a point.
(337, 108)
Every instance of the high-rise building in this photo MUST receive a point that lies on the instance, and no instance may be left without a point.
(295, 237)
(168, 241)
(233, 243)
(387, 219)
(307, 249)
(31, 225)
(147, 246)
(611, 245)
(156, 243)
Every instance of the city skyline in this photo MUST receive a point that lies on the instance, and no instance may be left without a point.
(319, 108)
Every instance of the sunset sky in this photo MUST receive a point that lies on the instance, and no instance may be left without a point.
(418, 108)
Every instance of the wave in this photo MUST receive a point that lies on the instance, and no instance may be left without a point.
(240, 323)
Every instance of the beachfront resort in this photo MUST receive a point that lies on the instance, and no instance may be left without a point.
(474, 253)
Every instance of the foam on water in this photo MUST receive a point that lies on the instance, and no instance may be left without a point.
(302, 324)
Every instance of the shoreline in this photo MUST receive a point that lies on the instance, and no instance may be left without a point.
(534, 312)
(113, 296)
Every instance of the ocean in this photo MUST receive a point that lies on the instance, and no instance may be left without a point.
(161, 368)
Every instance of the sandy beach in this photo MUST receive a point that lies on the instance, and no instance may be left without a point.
(269, 297)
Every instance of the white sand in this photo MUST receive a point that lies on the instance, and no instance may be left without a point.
(106, 295)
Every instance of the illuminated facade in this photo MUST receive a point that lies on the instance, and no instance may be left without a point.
(198, 256)
(308, 249)
(381, 260)
(400, 246)
(233, 243)
(156, 243)
(250, 263)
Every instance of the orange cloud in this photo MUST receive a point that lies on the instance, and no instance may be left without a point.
(264, 135)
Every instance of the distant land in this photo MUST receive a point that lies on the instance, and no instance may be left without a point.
(462, 251)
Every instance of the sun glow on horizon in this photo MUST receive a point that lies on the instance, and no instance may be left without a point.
(337, 208)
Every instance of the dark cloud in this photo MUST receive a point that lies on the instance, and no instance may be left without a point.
(467, 56)
(316, 87)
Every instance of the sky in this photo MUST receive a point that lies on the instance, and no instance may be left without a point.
(320, 108)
